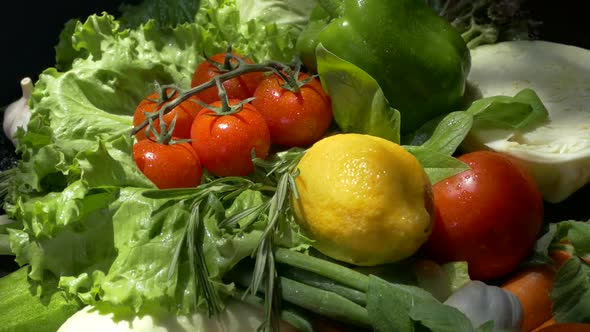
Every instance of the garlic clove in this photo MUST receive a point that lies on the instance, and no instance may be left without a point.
(18, 114)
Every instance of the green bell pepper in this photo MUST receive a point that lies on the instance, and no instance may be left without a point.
(419, 60)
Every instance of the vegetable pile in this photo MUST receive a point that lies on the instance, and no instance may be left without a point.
(190, 165)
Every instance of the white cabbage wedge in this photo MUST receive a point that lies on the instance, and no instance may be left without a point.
(558, 152)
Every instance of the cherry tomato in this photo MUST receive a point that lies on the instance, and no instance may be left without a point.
(489, 216)
(241, 87)
(168, 165)
(224, 142)
(184, 113)
(294, 118)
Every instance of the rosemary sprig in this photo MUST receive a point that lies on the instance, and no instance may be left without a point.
(279, 174)
(196, 254)
(282, 167)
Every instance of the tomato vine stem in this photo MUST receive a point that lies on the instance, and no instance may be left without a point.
(286, 71)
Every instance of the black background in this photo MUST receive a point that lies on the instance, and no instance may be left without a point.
(30, 31)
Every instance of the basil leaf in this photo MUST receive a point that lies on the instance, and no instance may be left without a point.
(571, 292)
(438, 166)
(389, 304)
(449, 133)
(521, 112)
(441, 318)
(358, 103)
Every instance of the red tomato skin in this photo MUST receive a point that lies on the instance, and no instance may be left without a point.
(241, 87)
(185, 113)
(224, 142)
(489, 216)
(168, 165)
(294, 118)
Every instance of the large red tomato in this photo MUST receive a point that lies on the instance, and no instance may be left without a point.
(294, 118)
(225, 142)
(489, 216)
(168, 165)
(241, 87)
(184, 113)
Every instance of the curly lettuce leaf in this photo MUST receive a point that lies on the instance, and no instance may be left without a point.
(281, 12)
(164, 12)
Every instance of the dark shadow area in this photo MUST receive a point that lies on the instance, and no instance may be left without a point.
(30, 32)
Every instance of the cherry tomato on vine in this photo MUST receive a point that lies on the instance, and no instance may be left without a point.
(224, 142)
(184, 113)
(489, 215)
(294, 118)
(174, 165)
(241, 87)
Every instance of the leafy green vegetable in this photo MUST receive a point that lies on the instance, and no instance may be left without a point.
(441, 318)
(575, 232)
(86, 218)
(571, 292)
(389, 305)
(521, 112)
(358, 103)
(458, 274)
(443, 134)
(438, 166)
(24, 308)
(280, 12)
(164, 12)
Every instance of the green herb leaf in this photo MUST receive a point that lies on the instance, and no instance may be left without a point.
(521, 112)
(445, 134)
(441, 318)
(438, 166)
(358, 103)
(577, 232)
(571, 292)
(389, 305)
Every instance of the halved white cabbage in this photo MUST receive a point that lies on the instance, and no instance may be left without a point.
(237, 317)
(557, 152)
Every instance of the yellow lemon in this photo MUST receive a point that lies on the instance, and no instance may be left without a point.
(363, 199)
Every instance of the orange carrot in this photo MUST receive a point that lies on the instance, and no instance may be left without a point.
(550, 321)
(565, 327)
(533, 287)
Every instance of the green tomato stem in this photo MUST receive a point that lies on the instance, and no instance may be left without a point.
(269, 66)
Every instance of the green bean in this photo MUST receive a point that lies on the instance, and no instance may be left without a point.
(315, 280)
(322, 302)
(325, 303)
(289, 314)
(336, 272)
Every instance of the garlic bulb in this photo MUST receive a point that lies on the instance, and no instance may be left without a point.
(18, 114)
(481, 303)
